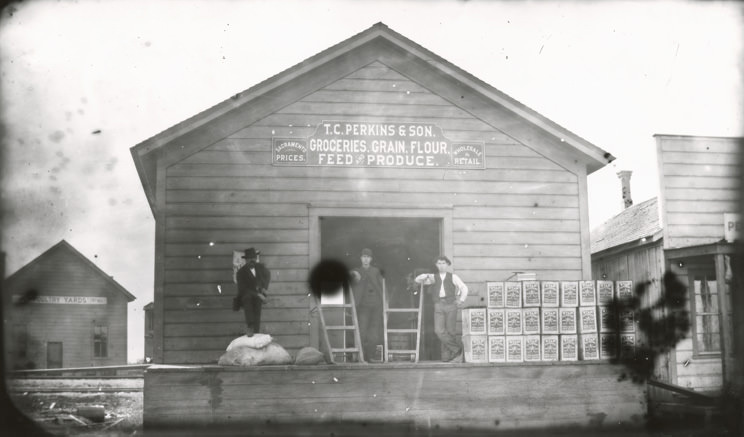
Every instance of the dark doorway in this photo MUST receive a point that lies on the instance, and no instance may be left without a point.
(402, 247)
(54, 355)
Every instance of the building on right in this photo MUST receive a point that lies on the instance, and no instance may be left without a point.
(693, 229)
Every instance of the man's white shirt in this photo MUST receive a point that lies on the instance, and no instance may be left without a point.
(428, 279)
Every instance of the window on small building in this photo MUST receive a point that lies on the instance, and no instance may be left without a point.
(705, 312)
(20, 340)
(100, 341)
(149, 325)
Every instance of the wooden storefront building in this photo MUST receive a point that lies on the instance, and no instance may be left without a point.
(62, 311)
(375, 142)
(692, 230)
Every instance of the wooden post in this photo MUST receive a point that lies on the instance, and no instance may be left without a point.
(725, 321)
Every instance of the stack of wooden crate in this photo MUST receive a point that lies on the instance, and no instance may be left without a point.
(533, 321)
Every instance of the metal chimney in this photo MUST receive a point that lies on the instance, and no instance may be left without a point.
(625, 184)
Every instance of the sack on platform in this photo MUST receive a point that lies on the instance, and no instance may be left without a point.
(248, 356)
(257, 341)
(309, 356)
(275, 354)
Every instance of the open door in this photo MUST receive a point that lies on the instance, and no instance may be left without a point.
(401, 246)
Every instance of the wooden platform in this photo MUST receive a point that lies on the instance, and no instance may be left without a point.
(424, 395)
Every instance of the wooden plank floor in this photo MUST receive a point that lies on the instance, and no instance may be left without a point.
(424, 395)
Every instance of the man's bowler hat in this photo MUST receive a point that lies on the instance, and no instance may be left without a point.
(251, 253)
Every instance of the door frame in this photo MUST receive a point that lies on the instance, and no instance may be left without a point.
(61, 354)
(316, 211)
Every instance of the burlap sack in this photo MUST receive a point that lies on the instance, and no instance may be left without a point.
(257, 341)
(248, 356)
(309, 356)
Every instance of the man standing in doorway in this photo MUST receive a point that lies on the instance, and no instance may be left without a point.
(367, 286)
(449, 294)
(253, 280)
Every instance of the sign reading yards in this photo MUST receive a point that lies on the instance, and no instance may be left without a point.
(69, 300)
(361, 144)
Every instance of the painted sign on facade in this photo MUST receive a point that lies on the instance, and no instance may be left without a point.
(68, 300)
(731, 227)
(378, 144)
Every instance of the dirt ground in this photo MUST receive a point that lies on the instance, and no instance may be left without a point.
(65, 413)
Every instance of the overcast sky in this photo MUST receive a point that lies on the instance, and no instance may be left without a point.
(84, 81)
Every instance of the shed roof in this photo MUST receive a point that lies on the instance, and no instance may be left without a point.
(146, 153)
(67, 247)
(635, 222)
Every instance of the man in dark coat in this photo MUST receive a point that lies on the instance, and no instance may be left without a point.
(253, 281)
(367, 286)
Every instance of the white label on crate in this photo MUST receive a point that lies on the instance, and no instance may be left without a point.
(606, 319)
(477, 320)
(624, 290)
(607, 346)
(474, 321)
(627, 321)
(532, 348)
(495, 294)
(513, 294)
(478, 351)
(588, 316)
(550, 295)
(513, 321)
(496, 322)
(550, 320)
(531, 320)
(568, 320)
(569, 294)
(496, 349)
(550, 348)
(531, 293)
(514, 349)
(569, 348)
(605, 292)
(589, 346)
(587, 295)
(627, 345)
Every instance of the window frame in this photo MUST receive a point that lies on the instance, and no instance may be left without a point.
(709, 277)
(105, 342)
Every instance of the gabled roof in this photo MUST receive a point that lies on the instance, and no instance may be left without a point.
(146, 153)
(636, 222)
(65, 246)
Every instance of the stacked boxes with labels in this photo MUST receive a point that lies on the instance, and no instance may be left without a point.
(474, 335)
(626, 321)
(549, 321)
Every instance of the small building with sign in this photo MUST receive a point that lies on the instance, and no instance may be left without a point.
(692, 230)
(63, 311)
(375, 143)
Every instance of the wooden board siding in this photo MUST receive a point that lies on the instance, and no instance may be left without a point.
(699, 183)
(643, 264)
(701, 374)
(61, 272)
(428, 396)
(522, 213)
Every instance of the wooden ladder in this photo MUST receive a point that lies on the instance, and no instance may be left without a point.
(343, 327)
(388, 353)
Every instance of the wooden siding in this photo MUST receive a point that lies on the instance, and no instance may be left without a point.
(699, 183)
(62, 273)
(522, 213)
(434, 397)
(643, 264)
